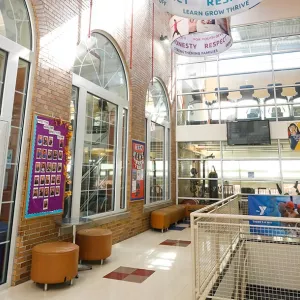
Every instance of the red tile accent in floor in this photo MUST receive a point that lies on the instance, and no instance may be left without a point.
(142, 272)
(130, 274)
(178, 243)
(116, 276)
(135, 278)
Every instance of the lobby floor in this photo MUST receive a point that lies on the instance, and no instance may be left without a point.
(150, 266)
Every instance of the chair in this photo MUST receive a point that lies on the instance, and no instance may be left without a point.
(53, 263)
(228, 112)
(281, 106)
(248, 107)
(95, 244)
(295, 101)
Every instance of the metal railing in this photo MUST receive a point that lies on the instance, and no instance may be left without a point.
(239, 256)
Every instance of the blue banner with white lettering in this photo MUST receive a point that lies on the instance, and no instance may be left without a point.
(272, 206)
(206, 9)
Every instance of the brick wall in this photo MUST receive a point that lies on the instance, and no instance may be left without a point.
(59, 25)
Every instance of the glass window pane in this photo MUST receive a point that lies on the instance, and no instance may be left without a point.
(290, 169)
(124, 162)
(98, 61)
(199, 150)
(4, 252)
(3, 60)
(251, 152)
(199, 189)
(98, 176)
(156, 166)
(15, 22)
(157, 106)
(250, 48)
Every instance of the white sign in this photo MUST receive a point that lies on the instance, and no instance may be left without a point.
(206, 9)
(192, 37)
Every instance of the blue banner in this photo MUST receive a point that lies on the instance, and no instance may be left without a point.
(272, 206)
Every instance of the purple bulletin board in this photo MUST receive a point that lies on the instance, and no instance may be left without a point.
(46, 182)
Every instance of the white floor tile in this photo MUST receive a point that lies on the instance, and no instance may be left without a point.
(171, 281)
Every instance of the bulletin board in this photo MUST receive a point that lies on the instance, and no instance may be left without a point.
(48, 167)
(138, 171)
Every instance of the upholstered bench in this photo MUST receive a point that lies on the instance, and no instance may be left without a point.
(191, 208)
(164, 217)
(94, 244)
(54, 263)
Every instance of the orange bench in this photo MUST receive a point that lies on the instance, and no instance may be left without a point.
(164, 217)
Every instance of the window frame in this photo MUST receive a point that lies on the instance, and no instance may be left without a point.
(167, 150)
(87, 87)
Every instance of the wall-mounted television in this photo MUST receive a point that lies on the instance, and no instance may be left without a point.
(248, 133)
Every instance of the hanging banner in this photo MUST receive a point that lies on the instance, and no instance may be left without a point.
(272, 206)
(206, 9)
(138, 171)
(47, 177)
(199, 37)
(294, 136)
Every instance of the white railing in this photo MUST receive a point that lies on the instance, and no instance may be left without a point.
(234, 259)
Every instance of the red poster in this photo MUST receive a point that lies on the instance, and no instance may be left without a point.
(138, 171)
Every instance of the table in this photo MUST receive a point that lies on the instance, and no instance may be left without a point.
(74, 222)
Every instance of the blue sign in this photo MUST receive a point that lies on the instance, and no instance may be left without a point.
(272, 206)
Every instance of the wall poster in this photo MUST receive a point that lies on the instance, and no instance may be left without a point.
(48, 167)
(294, 136)
(138, 171)
(273, 206)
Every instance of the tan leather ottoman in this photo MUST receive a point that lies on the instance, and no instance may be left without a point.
(94, 244)
(54, 263)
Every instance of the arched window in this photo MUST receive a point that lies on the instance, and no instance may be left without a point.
(158, 143)
(15, 22)
(98, 61)
(98, 162)
(16, 60)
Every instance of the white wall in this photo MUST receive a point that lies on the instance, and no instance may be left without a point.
(269, 10)
(218, 132)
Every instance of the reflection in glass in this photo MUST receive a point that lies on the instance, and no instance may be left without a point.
(98, 61)
(15, 22)
(156, 166)
(98, 178)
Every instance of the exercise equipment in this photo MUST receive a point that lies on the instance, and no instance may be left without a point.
(213, 184)
(244, 112)
(197, 117)
(194, 183)
(295, 101)
(227, 114)
(202, 192)
(281, 105)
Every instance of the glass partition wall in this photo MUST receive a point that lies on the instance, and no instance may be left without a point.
(257, 79)
(235, 169)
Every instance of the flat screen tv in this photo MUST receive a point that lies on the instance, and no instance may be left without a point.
(248, 133)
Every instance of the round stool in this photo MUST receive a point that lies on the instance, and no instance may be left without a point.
(94, 244)
(54, 263)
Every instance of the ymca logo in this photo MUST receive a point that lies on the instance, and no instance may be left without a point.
(262, 210)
